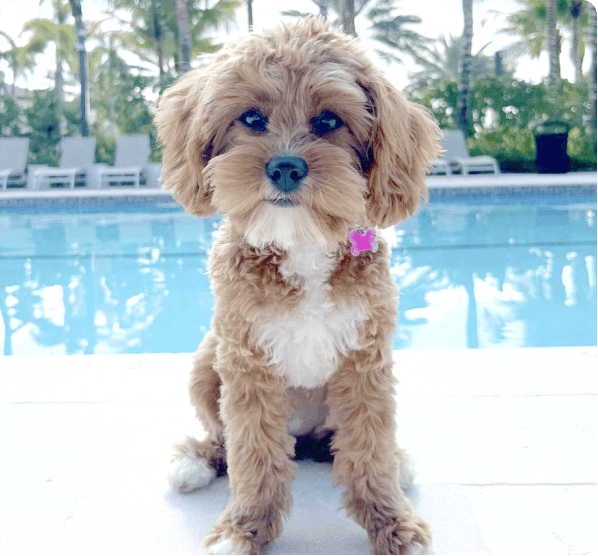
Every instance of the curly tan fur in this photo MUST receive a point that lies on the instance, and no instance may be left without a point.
(301, 338)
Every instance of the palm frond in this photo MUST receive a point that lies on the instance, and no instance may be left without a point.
(295, 13)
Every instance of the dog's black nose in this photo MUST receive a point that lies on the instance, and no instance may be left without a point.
(286, 172)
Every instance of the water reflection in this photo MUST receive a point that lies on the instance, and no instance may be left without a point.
(498, 276)
(126, 287)
(469, 276)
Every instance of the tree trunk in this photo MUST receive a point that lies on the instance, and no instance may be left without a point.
(323, 6)
(250, 15)
(576, 9)
(463, 105)
(59, 88)
(553, 50)
(348, 16)
(182, 16)
(78, 15)
(157, 31)
(13, 87)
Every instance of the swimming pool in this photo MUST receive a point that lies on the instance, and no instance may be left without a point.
(474, 272)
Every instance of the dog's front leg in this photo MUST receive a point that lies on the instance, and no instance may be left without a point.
(254, 411)
(362, 412)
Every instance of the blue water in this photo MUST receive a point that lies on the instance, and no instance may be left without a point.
(473, 273)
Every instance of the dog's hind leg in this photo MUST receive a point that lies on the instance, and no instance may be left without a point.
(195, 464)
(406, 471)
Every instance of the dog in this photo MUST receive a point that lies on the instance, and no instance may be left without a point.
(299, 142)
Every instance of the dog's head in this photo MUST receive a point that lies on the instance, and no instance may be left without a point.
(296, 137)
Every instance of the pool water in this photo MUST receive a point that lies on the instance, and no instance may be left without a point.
(473, 273)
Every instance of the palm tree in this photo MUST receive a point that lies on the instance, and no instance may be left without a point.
(156, 24)
(345, 11)
(78, 15)
(148, 21)
(393, 32)
(530, 27)
(463, 104)
(62, 34)
(182, 17)
(250, 16)
(19, 61)
(442, 59)
(592, 80)
(554, 50)
(118, 90)
(206, 17)
(348, 16)
(322, 7)
(111, 74)
(576, 11)
(154, 29)
(388, 29)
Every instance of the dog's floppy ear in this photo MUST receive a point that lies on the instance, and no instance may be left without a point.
(186, 145)
(404, 139)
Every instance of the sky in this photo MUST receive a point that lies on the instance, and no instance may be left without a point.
(439, 17)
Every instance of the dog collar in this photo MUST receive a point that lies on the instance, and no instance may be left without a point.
(362, 239)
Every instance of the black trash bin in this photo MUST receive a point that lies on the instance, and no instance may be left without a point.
(551, 147)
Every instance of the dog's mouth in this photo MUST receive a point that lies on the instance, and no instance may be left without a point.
(282, 202)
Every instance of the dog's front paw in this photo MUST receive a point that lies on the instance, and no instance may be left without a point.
(188, 474)
(225, 539)
(226, 546)
(410, 535)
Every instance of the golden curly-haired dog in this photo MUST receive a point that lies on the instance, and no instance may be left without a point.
(298, 140)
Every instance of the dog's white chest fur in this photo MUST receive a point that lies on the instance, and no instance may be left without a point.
(305, 347)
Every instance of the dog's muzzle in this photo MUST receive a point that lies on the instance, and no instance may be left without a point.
(286, 172)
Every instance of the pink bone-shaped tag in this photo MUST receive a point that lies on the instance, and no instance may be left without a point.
(362, 240)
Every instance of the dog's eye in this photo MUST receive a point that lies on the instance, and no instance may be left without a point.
(253, 119)
(325, 122)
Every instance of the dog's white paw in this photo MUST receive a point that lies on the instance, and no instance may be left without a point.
(189, 474)
(418, 549)
(225, 546)
(406, 474)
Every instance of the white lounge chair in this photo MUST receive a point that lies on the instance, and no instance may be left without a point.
(130, 160)
(78, 155)
(457, 156)
(13, 160)
(440, 166)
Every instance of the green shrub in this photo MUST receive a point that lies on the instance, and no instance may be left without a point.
(10, 117)
(42, 118)
(504, 114)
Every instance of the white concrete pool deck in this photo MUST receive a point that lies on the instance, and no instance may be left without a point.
(504, 444)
